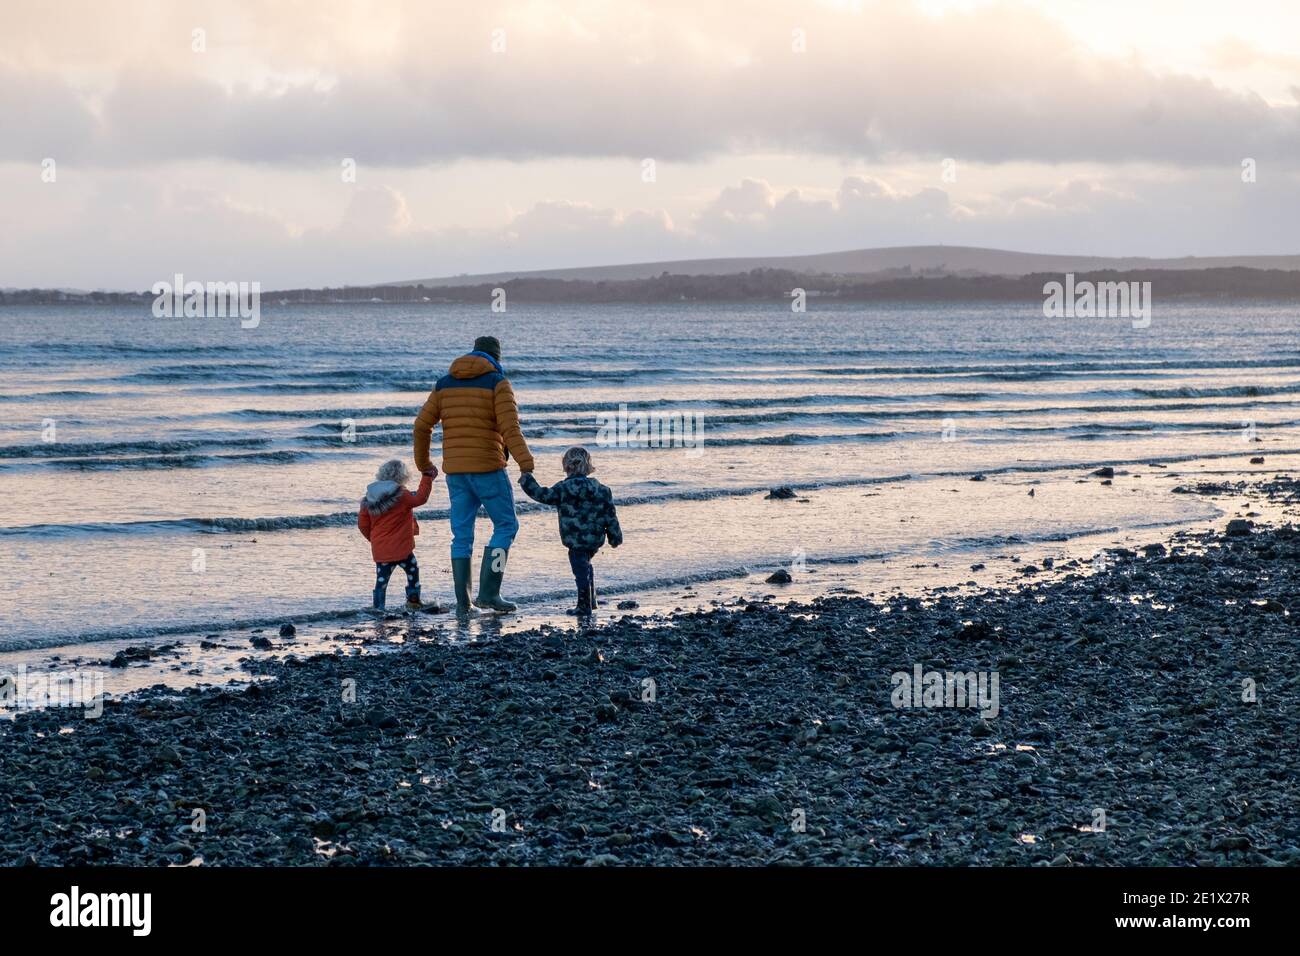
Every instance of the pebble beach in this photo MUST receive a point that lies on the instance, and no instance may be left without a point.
(1145, 704)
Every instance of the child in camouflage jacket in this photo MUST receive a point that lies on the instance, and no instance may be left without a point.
(587, 519)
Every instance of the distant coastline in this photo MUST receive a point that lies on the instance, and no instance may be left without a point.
(757, 285)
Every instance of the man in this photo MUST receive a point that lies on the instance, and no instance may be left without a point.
(480, 425)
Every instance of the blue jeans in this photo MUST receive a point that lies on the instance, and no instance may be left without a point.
(491, 490)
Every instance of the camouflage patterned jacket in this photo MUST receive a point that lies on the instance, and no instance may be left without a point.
(586, 506)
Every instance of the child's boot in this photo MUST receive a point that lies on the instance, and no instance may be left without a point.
(583, 607)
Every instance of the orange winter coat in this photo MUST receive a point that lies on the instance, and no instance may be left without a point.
(387, 518)
(480, 419)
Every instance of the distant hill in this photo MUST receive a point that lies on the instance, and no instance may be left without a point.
(764, 285)
(901, 273)
(955, 260)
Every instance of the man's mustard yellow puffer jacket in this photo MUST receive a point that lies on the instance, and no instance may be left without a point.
(480, 419)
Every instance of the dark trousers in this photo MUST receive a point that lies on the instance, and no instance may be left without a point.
(384, 570)
(583, 576)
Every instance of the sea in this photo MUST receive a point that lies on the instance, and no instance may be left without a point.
(191, 475)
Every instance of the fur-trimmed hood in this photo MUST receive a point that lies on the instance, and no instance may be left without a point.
(380, 496)
(386, 518)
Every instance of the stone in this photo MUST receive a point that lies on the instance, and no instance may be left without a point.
(381, 719)
(976, 631)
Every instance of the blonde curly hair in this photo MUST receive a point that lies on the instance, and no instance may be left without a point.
(577, 461)
(393, 470)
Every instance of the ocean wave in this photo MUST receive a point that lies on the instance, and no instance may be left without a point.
(84, 449)
(1226, 391)
(1136, 427)
(785, 405)
(200, 373)
(797, 438)
(313, 388)
(181, 525)
(337, 519)
(725, 430)
(1015, 364)
(781, 410)
(334, 414)
(156, 462)
(62, 394)
(276, 378)
(346, 518)
(124, 348)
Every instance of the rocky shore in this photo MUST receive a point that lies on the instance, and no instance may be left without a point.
(1146, 710)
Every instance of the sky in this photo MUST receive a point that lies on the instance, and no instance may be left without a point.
(325, 143)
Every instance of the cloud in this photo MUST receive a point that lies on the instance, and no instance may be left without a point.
(42, 116)
(1234, 53)
(419, 83)
(375, 212)
(226, 161)
(752, 218)
(144, 229)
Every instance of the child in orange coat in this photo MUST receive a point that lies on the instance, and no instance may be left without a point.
(387, 521)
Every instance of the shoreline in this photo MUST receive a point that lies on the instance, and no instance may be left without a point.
(213, 654)
(1120, 687)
